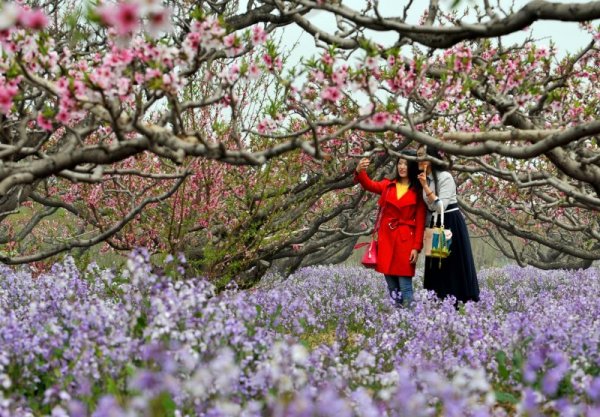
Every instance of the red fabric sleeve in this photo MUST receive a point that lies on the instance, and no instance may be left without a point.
(420, 220)
(368, 184)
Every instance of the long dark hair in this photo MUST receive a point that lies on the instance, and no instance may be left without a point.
(413, 169)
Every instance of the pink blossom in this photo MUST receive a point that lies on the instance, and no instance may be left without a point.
(153, 73)
(268, 61)
(512, 65)
(393, 85)
(79, 89)
(309, 93)
(574, 112)
(327, 59)
(167, 57)
(43, 122)
(33, 19)
(262, 127)
(120, 57)
(380, 119)
(488, 54)
(318, 76)
(265, 126)
(122, 86)
(124, 17)
(63, 116)
(50, 60)
(232, 74)
(172, 81)
(339, 77)
(7, 93)
(127, 18)
(139, 78)
(216, 29)
(10, 47)
(100, 77)
(371, 63)
(541, 52)
(191, 44)
(278, 63)
(167, 79)
(230, 40)
(4, 34)
(462, 59)
(259, 35)
(159, 21)
(33, 66)
(236, 50)
(253, 71)
(332, 94)
(443, 106)
(95, 196)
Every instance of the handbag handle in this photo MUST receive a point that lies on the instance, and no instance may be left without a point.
(435, 214)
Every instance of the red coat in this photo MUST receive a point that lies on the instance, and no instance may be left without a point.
(401, 227)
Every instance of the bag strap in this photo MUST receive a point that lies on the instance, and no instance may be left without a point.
(435, 214)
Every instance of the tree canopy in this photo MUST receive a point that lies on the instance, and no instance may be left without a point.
(180, 125)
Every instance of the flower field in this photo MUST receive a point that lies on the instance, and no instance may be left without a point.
(324, 342)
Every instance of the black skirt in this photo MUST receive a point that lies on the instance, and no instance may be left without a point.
(456, 274)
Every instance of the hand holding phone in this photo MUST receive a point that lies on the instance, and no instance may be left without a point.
(362, 165)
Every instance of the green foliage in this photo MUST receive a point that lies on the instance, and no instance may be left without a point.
(198, 13)
(82, 259)
(274, 107)
(506, 398)
(13, 71)
(155, 83)
(369, 47)
(140, 324)
(48, 111)
(391, 105)
(271, 48)
(162, 405)
(91, 13)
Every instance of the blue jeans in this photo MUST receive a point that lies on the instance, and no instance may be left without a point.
(401, 290)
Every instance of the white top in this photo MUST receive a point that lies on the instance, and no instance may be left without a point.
(446, 194)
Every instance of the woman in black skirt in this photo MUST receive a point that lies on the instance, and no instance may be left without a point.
(456, 275)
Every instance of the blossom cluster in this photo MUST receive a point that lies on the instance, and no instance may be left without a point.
(134, 32)
(323, 342)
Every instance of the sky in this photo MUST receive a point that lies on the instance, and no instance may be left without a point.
(568, 37)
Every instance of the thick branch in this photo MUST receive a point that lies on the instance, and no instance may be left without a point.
(445, 37)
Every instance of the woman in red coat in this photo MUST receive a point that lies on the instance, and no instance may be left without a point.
(400, 235)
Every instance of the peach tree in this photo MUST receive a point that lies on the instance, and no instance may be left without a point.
(184, 126)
